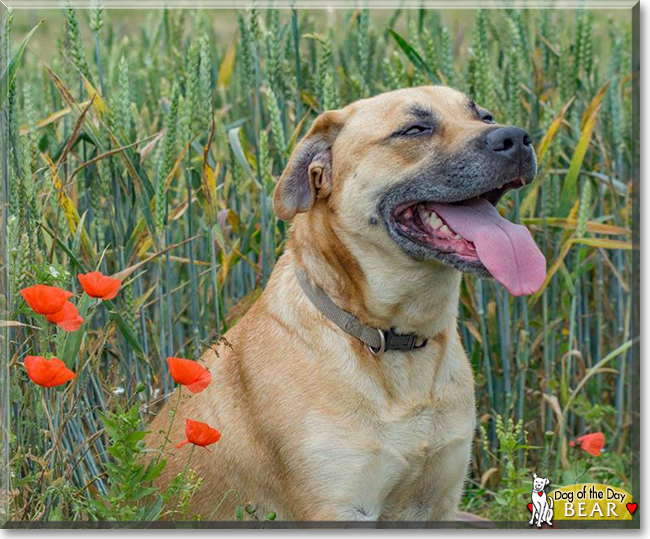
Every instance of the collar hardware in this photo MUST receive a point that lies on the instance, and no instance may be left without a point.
(404, 342)
(378, 341)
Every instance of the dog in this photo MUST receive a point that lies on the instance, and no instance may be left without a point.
(542, 504)
(371, 416)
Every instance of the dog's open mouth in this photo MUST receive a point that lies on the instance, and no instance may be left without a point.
(472, 234)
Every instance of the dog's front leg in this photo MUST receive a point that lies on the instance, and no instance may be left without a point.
(437, 493)
(532, 518)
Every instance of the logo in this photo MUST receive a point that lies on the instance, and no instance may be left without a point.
(541, 505)
(586, 502)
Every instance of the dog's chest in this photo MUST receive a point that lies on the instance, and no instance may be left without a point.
(361, 468)
(371, 451)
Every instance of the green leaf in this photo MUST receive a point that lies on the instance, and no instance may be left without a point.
(235, 144)
(82, 267)
(570, 187)
(76, 243)
(144, 493)
(126, 331)
(155, 470)
(218, 233)
(135, 436)
(9, 74)
(154, 512)
(412, 55)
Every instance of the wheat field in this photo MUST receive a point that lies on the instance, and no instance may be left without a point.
(146, 145)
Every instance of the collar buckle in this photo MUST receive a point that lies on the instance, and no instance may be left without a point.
(390, 340)
(398, 341)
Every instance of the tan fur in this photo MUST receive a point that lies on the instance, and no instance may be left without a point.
(314, 426)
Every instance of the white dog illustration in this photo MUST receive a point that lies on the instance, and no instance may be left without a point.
(542, 504)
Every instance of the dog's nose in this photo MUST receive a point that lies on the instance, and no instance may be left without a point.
(511, 142)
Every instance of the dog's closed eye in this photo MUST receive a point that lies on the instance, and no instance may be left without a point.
(481, 113)
(417, 130)
(486, 117)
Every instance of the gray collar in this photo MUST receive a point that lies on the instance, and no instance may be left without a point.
(378, 341)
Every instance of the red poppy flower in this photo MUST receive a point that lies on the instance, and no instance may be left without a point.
(44, 299)
(200, 434)
(98, 285)
(47, 372)
(591, 443)
(67, 318)
(189, 373)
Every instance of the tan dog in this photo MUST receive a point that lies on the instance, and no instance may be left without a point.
(315, 426)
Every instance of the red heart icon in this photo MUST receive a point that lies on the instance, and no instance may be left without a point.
(540, 493)
(530, 507)
(631, 507)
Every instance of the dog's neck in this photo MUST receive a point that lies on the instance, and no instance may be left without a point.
(383, 292)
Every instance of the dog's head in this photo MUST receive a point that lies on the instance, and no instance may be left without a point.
(539, 483)
(417, 174)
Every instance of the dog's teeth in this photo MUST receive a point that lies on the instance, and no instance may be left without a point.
(444, 228)
(457, 237)
(434, 221)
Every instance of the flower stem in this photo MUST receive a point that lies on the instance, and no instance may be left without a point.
(223, 499)
(187, 466)
(171, 423)
(189, 459)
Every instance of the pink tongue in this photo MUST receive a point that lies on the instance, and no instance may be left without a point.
(507, 250)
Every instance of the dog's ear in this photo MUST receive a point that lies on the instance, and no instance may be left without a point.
(534, 475)
(308, 175)
(546, 481)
